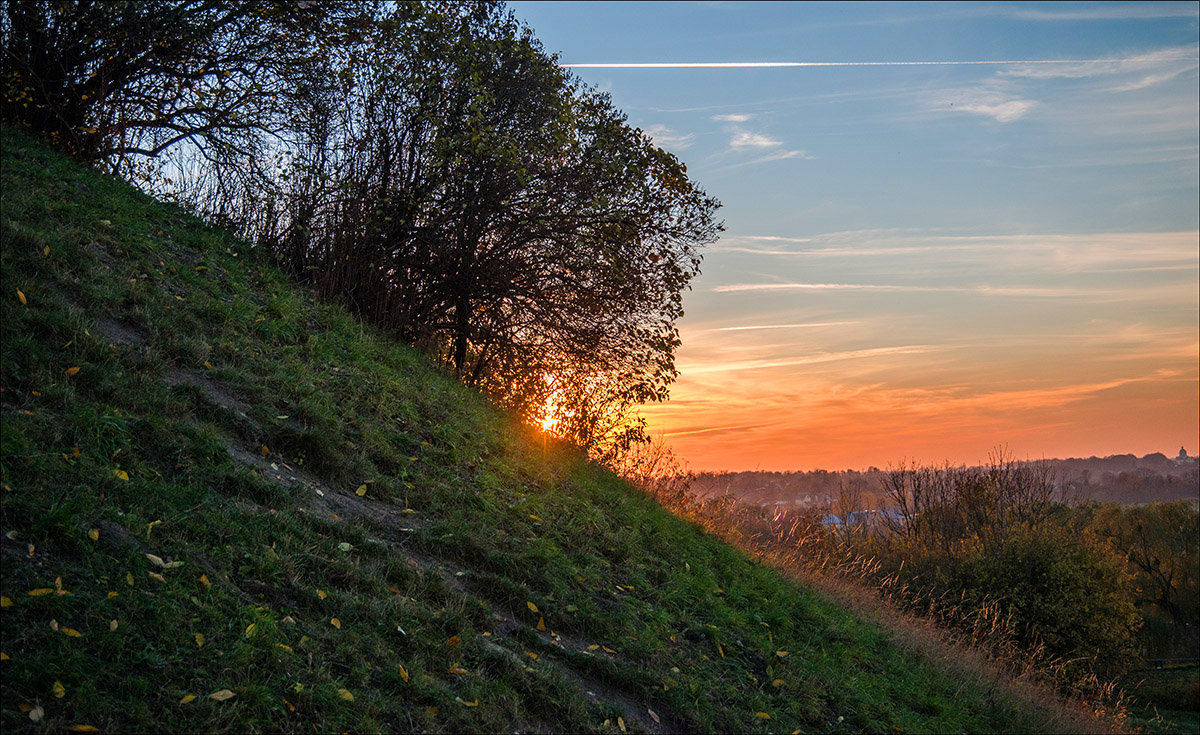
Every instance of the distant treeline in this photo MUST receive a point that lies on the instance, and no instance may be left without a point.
(1119, 478)
(427, 164)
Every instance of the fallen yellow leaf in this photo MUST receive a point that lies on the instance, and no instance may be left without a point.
(456, 669)
(472, 703)
(187, 698)
(72, 370)
(593, 647)
(5, 602)
(346, 695)
(403, 673)
(720, 650)
(112, 594)
(3, 656)
(285, 647)
(82, 728)
(199, 640)
(204, 581)
(112, 625)
(781, 654)
(532, 655)
(322, 594)
(208, 365)
(121, 475)
(532, 607)
(621, 723)
(59, 690)
(452, 641)
(541, 624)
(157, 577)
(72, 633)
(763, 715)
(94, 534)
(250, 630)
(222, 695)
(40, 591)
(30, 549)
(778, 683)
(21, 298)
(361, 491)
(129, 578)
(335, 623)
(156, 561)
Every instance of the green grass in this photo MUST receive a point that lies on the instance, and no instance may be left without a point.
(209, 380)
(1165, 700)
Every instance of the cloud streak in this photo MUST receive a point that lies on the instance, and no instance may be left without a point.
(747, 139)
(982, 289)
(820, 64)
(801, 325)
(668, 138)
(820, 357)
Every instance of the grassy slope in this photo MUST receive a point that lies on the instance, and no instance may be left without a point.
(245, 416)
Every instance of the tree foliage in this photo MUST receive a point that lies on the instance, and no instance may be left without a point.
(428, 164)
(1158, 542)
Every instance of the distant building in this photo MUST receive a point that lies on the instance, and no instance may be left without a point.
(1182, 453)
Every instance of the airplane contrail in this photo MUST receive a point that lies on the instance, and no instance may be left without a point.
(774, 64)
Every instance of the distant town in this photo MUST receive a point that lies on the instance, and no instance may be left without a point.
(1119, 478)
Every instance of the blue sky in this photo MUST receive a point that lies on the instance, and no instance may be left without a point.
(922, 260)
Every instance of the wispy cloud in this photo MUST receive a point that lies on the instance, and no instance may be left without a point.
(719, 367)
(987, 290)
(776, 156)
(1110, 12)
(733, 118)
(667, 138)
(1060, 252)
(749, 139)
(692, 431)
(989, 100)
(801, 325)
(1179, 58)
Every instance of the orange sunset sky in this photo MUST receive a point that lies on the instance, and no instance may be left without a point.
(950, 227)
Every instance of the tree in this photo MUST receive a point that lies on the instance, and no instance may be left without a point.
(493, 211)
(427, 164)
(114, 81)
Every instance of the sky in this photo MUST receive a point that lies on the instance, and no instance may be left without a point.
(925, 257)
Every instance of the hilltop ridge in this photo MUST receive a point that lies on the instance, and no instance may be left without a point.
(228, 507)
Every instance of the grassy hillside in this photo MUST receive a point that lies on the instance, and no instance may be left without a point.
(227, 507)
